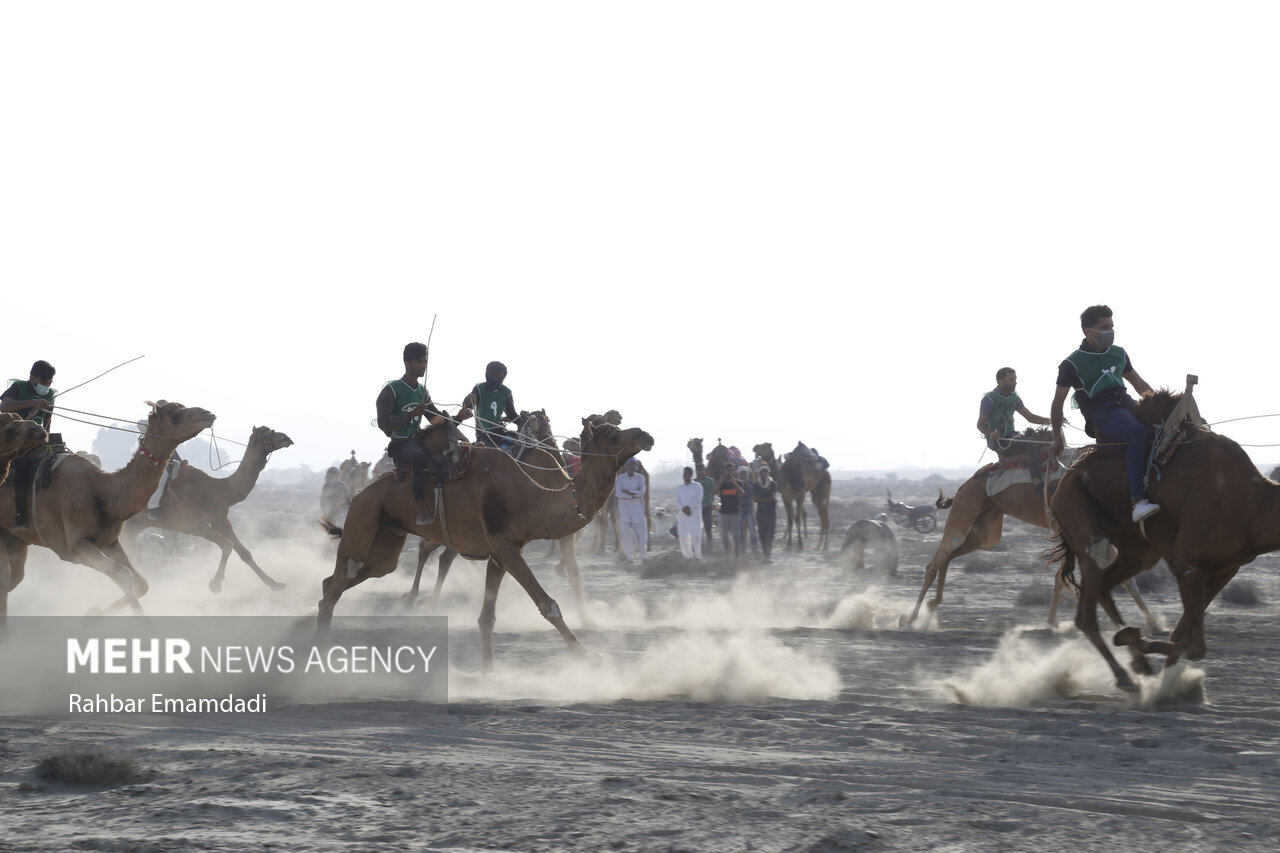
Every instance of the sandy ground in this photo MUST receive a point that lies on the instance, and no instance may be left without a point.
(720, 707)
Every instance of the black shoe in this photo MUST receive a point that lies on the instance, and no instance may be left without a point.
(19, 524)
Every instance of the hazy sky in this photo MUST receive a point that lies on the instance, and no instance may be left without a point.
(828, 222)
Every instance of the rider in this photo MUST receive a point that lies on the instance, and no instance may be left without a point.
(401, 405)
(32, 400)
(995, 417)
(1098, 371)
(492, 403)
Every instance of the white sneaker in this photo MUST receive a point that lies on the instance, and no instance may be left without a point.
(1144, 509)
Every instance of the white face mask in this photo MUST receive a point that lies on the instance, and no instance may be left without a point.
(1105, 339)
(40, 389)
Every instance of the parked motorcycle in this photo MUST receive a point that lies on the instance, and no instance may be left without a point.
(922, 519)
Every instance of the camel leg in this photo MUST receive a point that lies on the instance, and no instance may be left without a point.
(983, 533)
(425, 550)
(569, 559)
(488, 612)
(511, 560)
(1153, 623)
(113, 562)
(1087, 617)
(821, 500)
(442, 571)
(1197, 588)
(349, 570)
(223, 528)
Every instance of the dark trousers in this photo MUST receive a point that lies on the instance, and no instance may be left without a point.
(22, 473)
(767, 524)
(706, 526)
(408, 451)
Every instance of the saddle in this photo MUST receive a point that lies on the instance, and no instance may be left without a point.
(455, 469)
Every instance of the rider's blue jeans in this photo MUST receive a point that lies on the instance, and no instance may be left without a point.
(1119, 424)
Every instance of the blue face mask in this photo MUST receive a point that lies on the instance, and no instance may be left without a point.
(40, 389)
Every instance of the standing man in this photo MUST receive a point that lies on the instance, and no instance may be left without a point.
(731, 503)
(401, 405)
(995, 419)
(746, 517)
(1098, 371)
(688, 524)
(32, 400)
(765, 494)
(708, 509)
(630, 491)
(493, 405)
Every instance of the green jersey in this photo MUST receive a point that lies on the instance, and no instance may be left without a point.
(22, 389)
(1099, 371)
(1000, 411)
(407, 399)
(490, 406)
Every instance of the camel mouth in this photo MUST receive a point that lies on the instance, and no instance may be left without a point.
(645, 441)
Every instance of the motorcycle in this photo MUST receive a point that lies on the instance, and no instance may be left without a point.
(922, 519)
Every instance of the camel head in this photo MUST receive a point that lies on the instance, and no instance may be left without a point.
(18, 436)
(695, 445)
(535, 427)
(601, 438)
(176, 422)
(764, 451)
(270, 439)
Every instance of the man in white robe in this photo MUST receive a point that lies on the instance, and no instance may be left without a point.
(689, 516)
(633, 530)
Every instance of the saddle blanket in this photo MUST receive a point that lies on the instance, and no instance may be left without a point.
(1009, 472)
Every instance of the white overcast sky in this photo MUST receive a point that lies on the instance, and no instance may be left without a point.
(828, 222)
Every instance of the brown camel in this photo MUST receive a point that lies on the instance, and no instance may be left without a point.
(197, 503)
(356, 475)
(542, 461)
(80, 514)
(795, 481)
(976, 523)
(492, 512)
(1216, 514)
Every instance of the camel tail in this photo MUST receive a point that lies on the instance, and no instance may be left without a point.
(329, 527)
(1062, 554)
(943, 502)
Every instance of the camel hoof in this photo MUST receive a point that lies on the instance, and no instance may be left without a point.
(1127, 685)
(1127, 636)
(407, 600)
(1142, 666)
(215, 586)
(276, 586)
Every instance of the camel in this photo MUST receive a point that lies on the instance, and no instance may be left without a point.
(197, 503)
(80, 514)
(794, 482)
(976, 523)
(493, 512)
(355, 476)
(1216, 514)
(542, 461)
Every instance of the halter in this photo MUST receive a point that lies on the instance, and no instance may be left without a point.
(142, 448)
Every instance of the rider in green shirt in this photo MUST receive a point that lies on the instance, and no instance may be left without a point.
(31, 399)
(401, 405)
(492, 403)
(995, 415)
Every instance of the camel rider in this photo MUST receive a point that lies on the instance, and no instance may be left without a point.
(1098, 371)
(995, 419)
(31, 400)
(401, 405)
(493, 406)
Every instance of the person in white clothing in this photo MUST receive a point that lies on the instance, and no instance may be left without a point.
(689, 516)
(632, 528)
